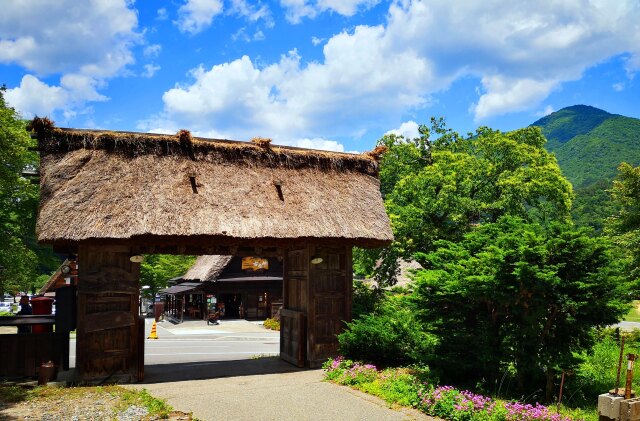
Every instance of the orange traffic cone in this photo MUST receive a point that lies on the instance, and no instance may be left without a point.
(154, 333)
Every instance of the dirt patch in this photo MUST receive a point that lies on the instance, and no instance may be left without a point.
(83, 403)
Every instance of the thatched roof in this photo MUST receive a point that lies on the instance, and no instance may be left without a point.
(134, 187)
(207, 268)
(51, 282)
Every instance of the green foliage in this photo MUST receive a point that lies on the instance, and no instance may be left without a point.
(593, 205)
(624, 227)
(272, 324)
(390, 336)
(590, 144)
(440, 188)
(597, 373)
(157, 269)
(394, 385)
(563, 125)
(365, 299)
(18, 203)
(517, 296)
(156, 407)
(11, 393)
(410, 387)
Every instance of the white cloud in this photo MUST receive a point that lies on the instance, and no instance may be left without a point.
(319, 143)
(316, 41)
(34, 97)
(60, 36)
(253, 12)
(408, 129)
(545, 111)
(162, 14)
(370, 76)
(506, 95)
(296, 10)
(632, 65)
(618, 87)
(241, 34)
(150, 70)
(197, 15)
(152, 51)
(86, 43)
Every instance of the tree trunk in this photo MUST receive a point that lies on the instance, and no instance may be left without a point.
(551, 387)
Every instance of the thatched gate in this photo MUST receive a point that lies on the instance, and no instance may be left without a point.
(111, 195)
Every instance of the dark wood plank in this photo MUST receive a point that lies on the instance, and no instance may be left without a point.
(108, 320)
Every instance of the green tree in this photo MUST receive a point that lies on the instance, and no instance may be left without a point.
(18, 203)
(157, 269)
(517, 296)
(440, 185)
(624, 226)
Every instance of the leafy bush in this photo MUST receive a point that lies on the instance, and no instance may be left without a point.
(365, 299)
(390, 337)
(272, 324)
(597, 372)
(397, 386)
(407, 387)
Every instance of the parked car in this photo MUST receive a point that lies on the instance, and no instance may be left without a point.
(5, 307)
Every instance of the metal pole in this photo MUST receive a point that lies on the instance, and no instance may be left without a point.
(620, 364)
(627, 387)
(561, 386)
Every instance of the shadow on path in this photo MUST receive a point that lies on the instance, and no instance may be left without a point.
(175, 372)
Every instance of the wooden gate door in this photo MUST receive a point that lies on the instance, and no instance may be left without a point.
(330, 289)
(293, 341)
(107, 324)
(317, 302)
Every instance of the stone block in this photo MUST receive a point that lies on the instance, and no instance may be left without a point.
(609, 406)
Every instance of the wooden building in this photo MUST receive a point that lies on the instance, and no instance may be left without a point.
(65, 275)
(111, 196)
(244, 287)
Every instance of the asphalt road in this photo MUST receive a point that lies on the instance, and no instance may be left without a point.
(197, 342)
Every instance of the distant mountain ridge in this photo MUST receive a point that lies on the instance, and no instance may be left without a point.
(590, 143)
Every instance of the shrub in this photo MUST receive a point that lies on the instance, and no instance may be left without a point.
(365, 299)
(390, 337)
(272, 324)
(404, 386)
(596, 374)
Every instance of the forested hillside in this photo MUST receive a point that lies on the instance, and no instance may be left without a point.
(590, 144)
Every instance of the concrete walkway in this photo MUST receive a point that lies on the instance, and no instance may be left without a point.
(266, 389)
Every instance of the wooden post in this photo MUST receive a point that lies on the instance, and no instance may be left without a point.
(317, 294)
(293, 343)
(330, 285)
(107, 330)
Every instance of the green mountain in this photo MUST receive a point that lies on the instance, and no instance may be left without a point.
(590, 144)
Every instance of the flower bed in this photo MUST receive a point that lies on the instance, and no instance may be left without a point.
(408, 387)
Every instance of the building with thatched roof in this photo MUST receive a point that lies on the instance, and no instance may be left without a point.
(143, 188)
(65, 275)
(242, 287)
(110, 196)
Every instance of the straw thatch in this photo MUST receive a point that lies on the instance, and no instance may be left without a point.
(99, 185)
(207, 268)
(53, 279)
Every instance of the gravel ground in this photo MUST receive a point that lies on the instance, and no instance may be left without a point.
(78, 404)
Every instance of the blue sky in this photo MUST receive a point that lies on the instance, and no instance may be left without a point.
(330, 74)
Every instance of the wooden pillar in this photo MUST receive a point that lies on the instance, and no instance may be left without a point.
(317, 303)
(107, 337)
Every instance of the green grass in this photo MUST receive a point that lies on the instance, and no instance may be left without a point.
(634, 314)
(157, 408)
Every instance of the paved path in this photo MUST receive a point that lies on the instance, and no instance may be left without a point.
(628, 325)
(267, 389)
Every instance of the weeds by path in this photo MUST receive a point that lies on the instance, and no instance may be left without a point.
(83, 403)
